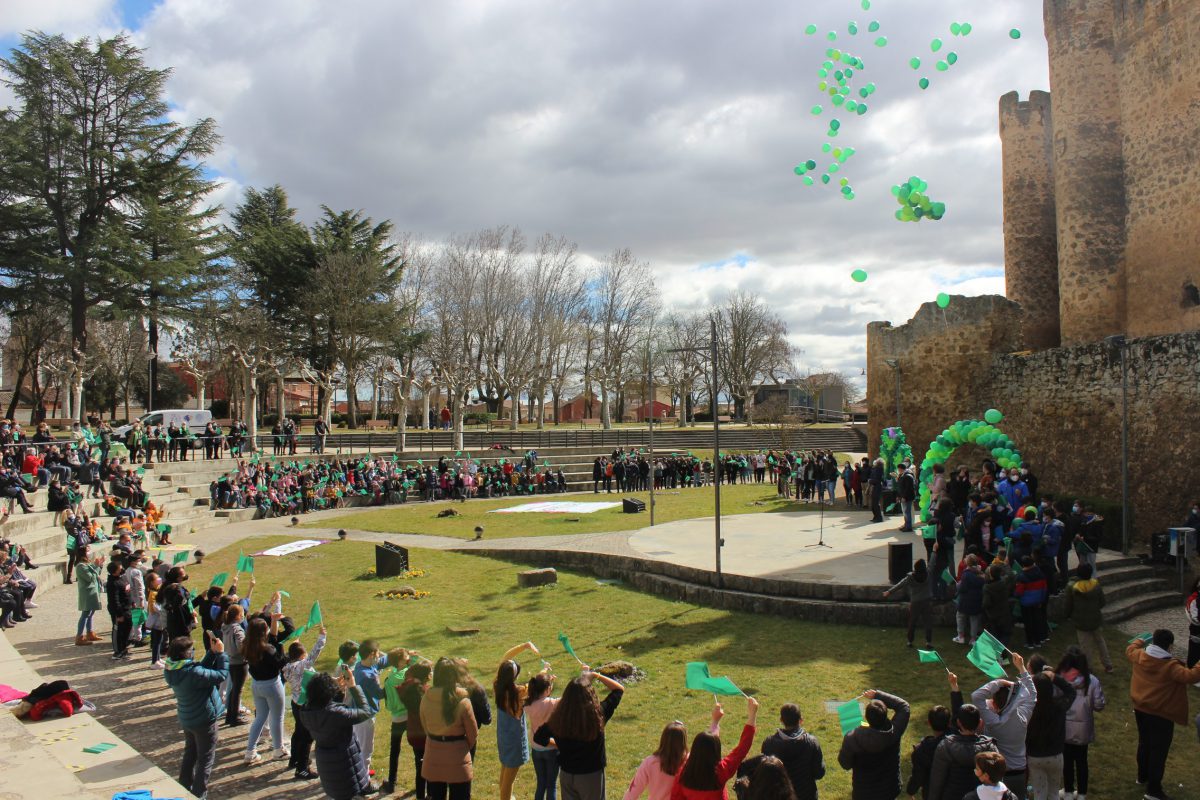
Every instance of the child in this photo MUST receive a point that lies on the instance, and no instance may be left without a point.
(989, 769)
(400, 659)
(119, 608)
(416, 681)
(539, 705)
(366, 676)
(922, 754)
(155, 620)
(300, 663)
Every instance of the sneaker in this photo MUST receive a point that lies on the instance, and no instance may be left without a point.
(1155, 796)
(30, 604)
(282, 752)
(252, 757)
(959, 640)
(387, 787)
(157, 665)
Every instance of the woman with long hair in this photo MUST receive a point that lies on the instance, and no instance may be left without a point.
(656, 774)
(770, 781)
(539, 705)
(576, 728)
(920, 604)
(450, 734)
(1046, 733)
(411, 692)
(512, 739)
(265, 660)
(330, 721)
(1081, 719)
(705, 773)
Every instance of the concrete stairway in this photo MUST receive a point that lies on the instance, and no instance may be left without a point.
(1132, 588)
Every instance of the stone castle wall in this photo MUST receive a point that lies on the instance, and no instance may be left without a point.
(1062, 406)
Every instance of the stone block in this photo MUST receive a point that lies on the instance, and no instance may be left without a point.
(537, 577)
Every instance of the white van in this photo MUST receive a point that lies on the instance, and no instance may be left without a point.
(194, 418)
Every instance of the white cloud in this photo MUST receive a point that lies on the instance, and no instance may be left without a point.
(70, 17)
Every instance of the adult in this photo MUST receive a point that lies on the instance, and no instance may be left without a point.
(1158, 690)
(969, 616)
(1005, 708)
(265, 659)
(450, 734)
(577, 728)
(872, 753)
(320, 432)
(1191, 608)
(943, 545)
(330, 721)
(705, 773)
(1084, 601)
(1047, 733)
(906, 490)
(876, 484)
(952, 774)
(198, 704)
(89, 589)
(799, 751)
(1081, 720)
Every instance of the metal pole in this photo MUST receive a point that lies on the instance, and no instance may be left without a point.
(898, 423)
(1124, 449)
(716, 450)
(650, 391)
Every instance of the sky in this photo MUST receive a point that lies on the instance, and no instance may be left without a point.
(671, 128)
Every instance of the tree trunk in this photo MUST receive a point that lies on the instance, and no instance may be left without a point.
(125, 391)
(280, 398)
(77, 393)
(250, 411)
(425, 407)
(605, 411)
(554, 398)
(515, 416)
(541, 417)
(402, 390)
(352, 402)
(458, 403)
(374, 399)
(16, 397)
(200, 387)
(152, 342)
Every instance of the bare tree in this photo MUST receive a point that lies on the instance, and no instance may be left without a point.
(753, 348)
(122, 349)
(624, 305)
(200, 347)
(455, 312)
(685, 334)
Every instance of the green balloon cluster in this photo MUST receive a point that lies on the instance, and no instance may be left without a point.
(858, 276)
(960, 29)
(968, 431)
(894, 448)
(840, 156)
(836, 73)
(915, 205)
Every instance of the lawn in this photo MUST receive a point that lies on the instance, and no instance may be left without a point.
(777, 660)
(418, 517)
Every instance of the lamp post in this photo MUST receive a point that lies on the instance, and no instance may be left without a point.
(712, 356)
(1118, 341)
(895, 364)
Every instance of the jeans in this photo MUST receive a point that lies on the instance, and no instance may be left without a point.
(969, 623)
(199, 754)
(1034, 618)
(457, 791)
(1154, 743)
(545, 767)
(233, 699)
(157, 637)
(1075, 764)
(907, 507)
(1092, 643)
(398, 729)
(85, 621)
(921, 614)
(268, 710)
(1045, 775)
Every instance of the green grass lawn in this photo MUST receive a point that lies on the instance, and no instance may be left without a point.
(777, 660)
(418, 517)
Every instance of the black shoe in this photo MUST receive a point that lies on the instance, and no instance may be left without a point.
(387, 787)
(306, 775)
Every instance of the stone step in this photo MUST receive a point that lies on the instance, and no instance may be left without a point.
(1133, 606)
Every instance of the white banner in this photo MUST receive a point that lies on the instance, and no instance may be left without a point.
(292, 547)
(562, 507)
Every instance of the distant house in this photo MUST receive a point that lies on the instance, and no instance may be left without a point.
(829, 402)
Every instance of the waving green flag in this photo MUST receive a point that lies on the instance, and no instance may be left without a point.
(697, 677)
(219, 579)
(850, 716)
(245, 563)
(180, 558)
(986, 656)
(566, 643)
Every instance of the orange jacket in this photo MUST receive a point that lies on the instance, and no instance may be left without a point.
(1159, 685)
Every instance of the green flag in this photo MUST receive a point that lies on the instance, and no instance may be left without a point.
(1145, 637)
(929, 657)
(160, 555)
(697, 677)
(180, 558)
(566, 643)
(985, 655)
(141, 471)
(137, 617)
(947, 576)
(308, 675)
(314, 615)
(245, 563)
(219, 579)
(850, 716)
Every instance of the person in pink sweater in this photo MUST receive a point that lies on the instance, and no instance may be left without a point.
(657, 772)
(705, 774)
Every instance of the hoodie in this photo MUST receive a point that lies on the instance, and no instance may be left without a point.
(997, 792)
(1031, 587)
(1008, 726)
(1084, 599)
(953, 771)
(197, 689)
(1159, 683)
(801, 756)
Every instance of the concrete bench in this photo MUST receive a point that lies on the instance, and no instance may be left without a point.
(724, 418)
(59, 423)
(537, 577)
(378, 424)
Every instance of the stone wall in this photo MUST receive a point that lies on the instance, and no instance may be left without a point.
(1062, 406)
(943, 356)
(1159, 46)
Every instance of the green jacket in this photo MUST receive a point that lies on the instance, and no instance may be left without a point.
(89, 586)
(1084, 599)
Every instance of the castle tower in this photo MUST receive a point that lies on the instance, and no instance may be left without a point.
(1088, 168)
(1030, 224)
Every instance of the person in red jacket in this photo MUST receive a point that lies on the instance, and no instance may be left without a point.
(705, 774)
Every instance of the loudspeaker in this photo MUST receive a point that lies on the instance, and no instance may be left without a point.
(631, 505)
(900, 561)
(390, 560)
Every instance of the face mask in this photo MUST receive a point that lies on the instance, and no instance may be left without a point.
(1076, 509)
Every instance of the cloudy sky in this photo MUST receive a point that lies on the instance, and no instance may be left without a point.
(669, 127)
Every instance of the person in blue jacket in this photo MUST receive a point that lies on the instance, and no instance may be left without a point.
(197, 688)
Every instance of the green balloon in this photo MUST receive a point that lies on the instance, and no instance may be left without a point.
(825, 179)
(955, 29)
(935, 45)
(866, 5)
(966, 29)
(923, 83)
(874, 26)
(914, 62)
(810, 164)
(943, 300)
(852, 28)
(817, 110)
(799, 170)
(811, 29)
(942, 66)
(831, 36)
(808, 181)
(952, 58)
(851, 105)
(862, 109)
(881, 41)
(858, 276)
(1015, 33)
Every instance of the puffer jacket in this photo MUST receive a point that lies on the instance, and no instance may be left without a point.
(953, 772)
(996, 597)
(873, 754)
(197, 689)
(1081, 716)
(970, 592)
(1084, 599)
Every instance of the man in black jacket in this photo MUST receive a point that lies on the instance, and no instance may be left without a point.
(799, 751)
(906, 491)
(953, 773)
(873, 753)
